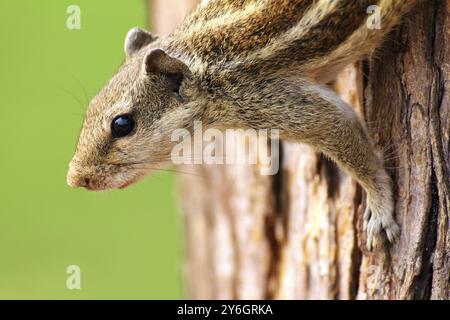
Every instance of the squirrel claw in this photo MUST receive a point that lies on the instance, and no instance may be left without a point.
(375, 224)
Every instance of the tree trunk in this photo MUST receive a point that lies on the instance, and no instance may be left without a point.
(298, 234)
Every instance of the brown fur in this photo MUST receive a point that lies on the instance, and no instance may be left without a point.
(249, 64)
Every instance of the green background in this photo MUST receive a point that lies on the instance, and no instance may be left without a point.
(127, 242)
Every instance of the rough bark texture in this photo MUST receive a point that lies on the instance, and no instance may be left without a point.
(298, 234)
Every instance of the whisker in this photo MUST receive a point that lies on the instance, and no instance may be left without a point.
(399, 167)
(73, 96)
(80, 84)
(169, 159)
(173, 171)
(391, 158)
(78, 115)
(391, 150)
(145, 166)
(82, 88)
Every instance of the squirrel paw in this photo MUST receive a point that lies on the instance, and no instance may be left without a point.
(377, 222)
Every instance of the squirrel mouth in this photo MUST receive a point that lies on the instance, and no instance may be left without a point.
(134, 177)
(95, 187)
(129, 182)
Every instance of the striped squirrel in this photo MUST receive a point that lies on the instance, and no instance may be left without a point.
(241, 64)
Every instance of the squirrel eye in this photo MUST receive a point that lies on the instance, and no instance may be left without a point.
(122, 125)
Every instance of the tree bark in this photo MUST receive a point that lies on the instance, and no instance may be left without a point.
(298, 234)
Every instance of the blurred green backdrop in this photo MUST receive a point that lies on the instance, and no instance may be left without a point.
(127, 243)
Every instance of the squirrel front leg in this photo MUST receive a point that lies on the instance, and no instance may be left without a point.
(312, 114)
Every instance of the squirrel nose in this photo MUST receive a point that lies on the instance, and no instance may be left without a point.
(75, 179)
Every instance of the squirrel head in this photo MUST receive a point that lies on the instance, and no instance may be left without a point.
(128, 125)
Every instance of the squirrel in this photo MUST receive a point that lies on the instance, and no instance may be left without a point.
(242, 64)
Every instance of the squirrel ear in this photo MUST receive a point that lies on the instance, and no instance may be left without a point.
(179, 78)
(136, 39)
